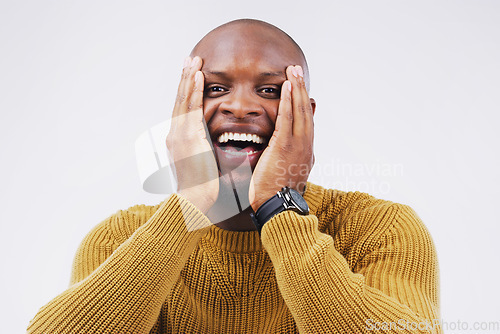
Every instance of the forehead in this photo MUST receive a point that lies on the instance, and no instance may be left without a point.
(249, 47)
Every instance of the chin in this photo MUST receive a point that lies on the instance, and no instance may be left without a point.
(235, 178)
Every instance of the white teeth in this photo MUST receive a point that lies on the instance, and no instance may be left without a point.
(239, 152)
(223, 138)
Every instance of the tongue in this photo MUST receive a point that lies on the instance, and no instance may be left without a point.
(248, 149)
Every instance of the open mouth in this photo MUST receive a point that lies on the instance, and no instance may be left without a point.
(232, 148)
(240, 143)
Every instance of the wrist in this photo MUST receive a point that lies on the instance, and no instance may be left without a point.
(259, 202)
(285, 199)
(203, 203)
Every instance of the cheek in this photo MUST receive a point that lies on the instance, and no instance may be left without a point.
(209, 109)
(271, 109)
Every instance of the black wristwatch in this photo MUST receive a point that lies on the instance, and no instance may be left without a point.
(286, 199)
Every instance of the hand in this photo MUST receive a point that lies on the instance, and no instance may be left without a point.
(289, 158)
(188, 141)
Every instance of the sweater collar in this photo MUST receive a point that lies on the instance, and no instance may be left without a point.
(248, 242)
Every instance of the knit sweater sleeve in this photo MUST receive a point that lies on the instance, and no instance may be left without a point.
(387, 278)
(121, 288)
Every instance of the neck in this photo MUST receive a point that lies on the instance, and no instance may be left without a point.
(225, 213)
(240, 222)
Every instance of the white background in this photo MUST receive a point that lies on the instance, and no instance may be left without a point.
(407, 109)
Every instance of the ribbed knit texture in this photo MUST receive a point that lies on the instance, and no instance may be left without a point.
(354, 261)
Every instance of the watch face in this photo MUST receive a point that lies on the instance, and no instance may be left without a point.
(299, 200)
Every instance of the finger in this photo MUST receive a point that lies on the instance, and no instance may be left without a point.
(298, 106)
(180, 88)
(186, 86)
(308, 112)
(284, 120)
(194, 108)
(175, 121)
(196, 103)
(185, 98)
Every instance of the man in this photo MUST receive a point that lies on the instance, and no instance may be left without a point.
(341, 263)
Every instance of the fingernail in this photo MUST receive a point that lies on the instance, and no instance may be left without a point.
(288, 85)
(187, 61)
(299, 71)
(197, 76)
(193, 62)
(294, 71)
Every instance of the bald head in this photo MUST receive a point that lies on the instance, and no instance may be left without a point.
(251, 37)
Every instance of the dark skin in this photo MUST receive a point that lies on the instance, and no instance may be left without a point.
(245, 78)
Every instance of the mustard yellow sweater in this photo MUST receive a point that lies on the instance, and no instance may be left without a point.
(353, 265)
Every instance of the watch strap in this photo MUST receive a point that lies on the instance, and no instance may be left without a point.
(269, 209)
(278, 203)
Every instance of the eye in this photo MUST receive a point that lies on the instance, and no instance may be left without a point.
(270, 92)
(215, 90)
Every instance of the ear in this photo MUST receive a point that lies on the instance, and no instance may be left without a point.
(313, 104)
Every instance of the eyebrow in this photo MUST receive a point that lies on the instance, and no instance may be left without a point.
(273, 74)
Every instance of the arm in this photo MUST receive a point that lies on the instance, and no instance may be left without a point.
(395, 281)
(125, 293)
(317, 283)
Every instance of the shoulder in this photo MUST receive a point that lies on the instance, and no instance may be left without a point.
(125, 222)
(118, 227)
(106, 237)
(354, 217)
(335, 207)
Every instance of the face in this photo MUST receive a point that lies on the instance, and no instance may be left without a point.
(244, 68)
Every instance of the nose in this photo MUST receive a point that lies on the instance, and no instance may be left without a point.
(241, 103)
